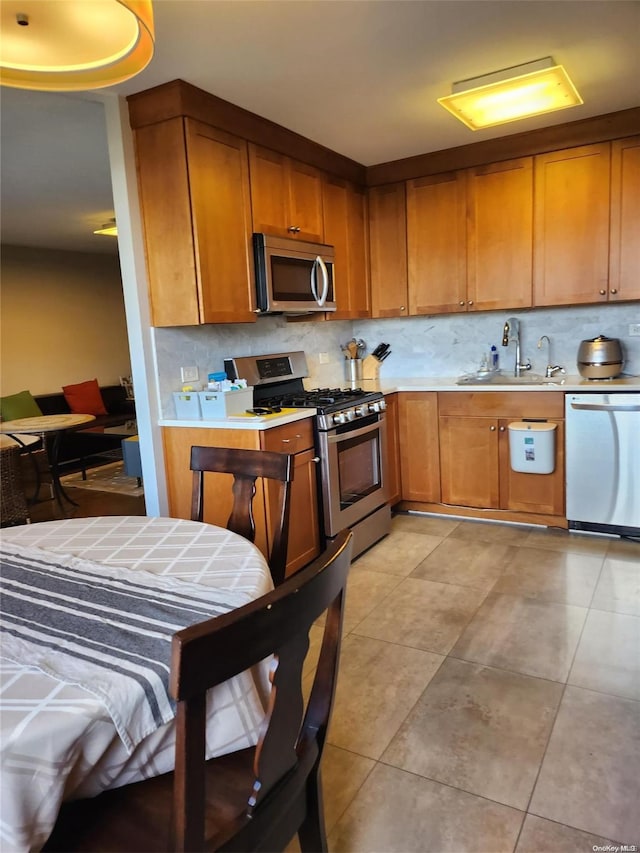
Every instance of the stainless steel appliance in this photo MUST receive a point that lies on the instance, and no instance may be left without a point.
(293, 277)
(600, 358)
(603, 462)
(350, 440)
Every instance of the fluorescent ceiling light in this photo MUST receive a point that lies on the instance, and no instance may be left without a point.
(64, 45)
(109, 228)
(511, 94)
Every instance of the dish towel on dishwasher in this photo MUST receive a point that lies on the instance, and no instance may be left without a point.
(104, 628)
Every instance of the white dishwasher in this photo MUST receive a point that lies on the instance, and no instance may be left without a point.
(603, 462)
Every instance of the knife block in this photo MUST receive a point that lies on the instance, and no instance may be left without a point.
(370, 368)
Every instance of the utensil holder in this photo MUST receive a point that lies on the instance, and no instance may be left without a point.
(353, 369)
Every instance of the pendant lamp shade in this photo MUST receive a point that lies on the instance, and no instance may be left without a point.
(65, 45)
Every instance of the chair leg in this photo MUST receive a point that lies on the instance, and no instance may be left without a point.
(312, 833)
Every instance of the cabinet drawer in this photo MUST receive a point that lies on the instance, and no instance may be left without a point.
(289, 438)
(504, 404)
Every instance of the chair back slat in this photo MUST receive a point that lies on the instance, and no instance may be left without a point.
(246, 466)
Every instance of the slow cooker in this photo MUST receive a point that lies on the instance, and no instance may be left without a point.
(600, 358)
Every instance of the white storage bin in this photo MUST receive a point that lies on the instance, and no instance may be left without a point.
(187, 405)
(532, 447)
(221, 404)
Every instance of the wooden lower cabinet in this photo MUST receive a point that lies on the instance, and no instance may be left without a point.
(296, 438)
(392, 450)
(454, 455)
(418, 433)
(475, 461)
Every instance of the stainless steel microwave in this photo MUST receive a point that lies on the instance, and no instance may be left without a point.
(293, 277)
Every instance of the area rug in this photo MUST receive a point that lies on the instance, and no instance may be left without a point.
(106, 478)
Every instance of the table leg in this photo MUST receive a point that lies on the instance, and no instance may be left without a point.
(58, 489)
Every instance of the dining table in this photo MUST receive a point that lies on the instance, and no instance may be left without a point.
(65, 726)
(44, 426)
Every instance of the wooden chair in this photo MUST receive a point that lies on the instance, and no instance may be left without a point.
(246, 466)
(256, 799)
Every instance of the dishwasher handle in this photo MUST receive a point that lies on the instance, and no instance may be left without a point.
(606, 407)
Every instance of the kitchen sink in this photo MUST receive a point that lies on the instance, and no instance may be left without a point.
(499, 378)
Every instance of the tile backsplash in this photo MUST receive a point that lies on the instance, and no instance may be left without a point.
(439, 345)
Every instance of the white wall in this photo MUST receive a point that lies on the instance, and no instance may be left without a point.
(62, 320)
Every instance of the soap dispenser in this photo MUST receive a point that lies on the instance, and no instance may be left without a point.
(495, 358)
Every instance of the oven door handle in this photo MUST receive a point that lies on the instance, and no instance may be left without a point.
(335, 438)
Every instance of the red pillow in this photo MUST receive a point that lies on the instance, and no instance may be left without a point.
(85, 398)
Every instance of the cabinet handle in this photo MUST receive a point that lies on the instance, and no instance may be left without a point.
(492, 428)
(613, 290)
(470, 302)
(502, 429)
(316, 459)
(293, 229)
(461, 304)
(603, 293)
(285, 440)
(402, 308)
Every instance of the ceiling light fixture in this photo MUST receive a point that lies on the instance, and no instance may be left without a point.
(511, 94)
(109, 228)
(74, 44)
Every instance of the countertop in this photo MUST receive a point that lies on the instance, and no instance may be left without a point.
(448, 383)
(390, 385)
(259, 422)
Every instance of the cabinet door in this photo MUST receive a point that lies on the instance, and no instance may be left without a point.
(419, 459)
(305, 201)
(304, 525)
(535, 493)
(436, 244)
(571, 225)
(624, 260)
(392, 450)
(269, 191)
(221, 213)
(388, 250)
(469, 461)
(500, 235)
(345, 228)
(286, 195)
(163, 182)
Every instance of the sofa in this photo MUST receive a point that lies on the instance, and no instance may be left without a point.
(87, 446)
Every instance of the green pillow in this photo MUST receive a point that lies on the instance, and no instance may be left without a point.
(21, 405)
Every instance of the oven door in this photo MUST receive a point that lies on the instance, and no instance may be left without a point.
(353, 481)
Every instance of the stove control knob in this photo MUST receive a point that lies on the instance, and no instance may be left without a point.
(350, 414)
(374, 407)
(339, 418)
(360, 411)
(382, 404)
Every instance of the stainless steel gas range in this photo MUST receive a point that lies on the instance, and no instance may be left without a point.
(350, 441)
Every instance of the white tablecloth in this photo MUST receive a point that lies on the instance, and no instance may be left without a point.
(58, 742)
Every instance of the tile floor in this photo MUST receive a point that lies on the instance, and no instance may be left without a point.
(489, 693)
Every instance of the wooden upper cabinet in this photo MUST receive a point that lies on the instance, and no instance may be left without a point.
(388, 250)
(345, 228)
(500, 235)
(436, 244)
(571, 225)
(286, 195)
(194, 192)
(624, 259)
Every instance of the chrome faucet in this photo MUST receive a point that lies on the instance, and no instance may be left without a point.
(511, 332)
(552, 369)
